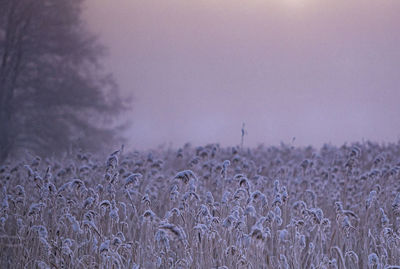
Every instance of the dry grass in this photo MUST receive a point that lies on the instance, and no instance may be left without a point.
(206, 207)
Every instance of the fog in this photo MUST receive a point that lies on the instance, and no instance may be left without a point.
(320, 71)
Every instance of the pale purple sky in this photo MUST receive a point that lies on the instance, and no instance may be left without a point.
(318, 70)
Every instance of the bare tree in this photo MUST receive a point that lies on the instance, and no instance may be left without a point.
(52, 89)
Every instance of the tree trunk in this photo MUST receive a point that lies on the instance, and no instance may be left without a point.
(5, 143)
(9, 72)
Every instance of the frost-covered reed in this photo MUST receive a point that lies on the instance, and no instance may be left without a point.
(205, 207)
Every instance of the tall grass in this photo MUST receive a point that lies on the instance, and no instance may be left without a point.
(206, 207)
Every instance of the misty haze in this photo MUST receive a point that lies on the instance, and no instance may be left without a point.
(199, 134)
(320, 71)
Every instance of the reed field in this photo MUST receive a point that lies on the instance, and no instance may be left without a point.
(204, 207)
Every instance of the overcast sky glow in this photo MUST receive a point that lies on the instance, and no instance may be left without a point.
(318, 70)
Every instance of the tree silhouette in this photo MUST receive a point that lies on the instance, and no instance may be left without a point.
(53, 92)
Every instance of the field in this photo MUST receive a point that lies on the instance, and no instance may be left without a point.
(205, 207)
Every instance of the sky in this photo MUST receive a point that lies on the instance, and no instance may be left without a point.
(319, 71)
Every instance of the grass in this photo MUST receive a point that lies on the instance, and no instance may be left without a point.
(205, 207)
